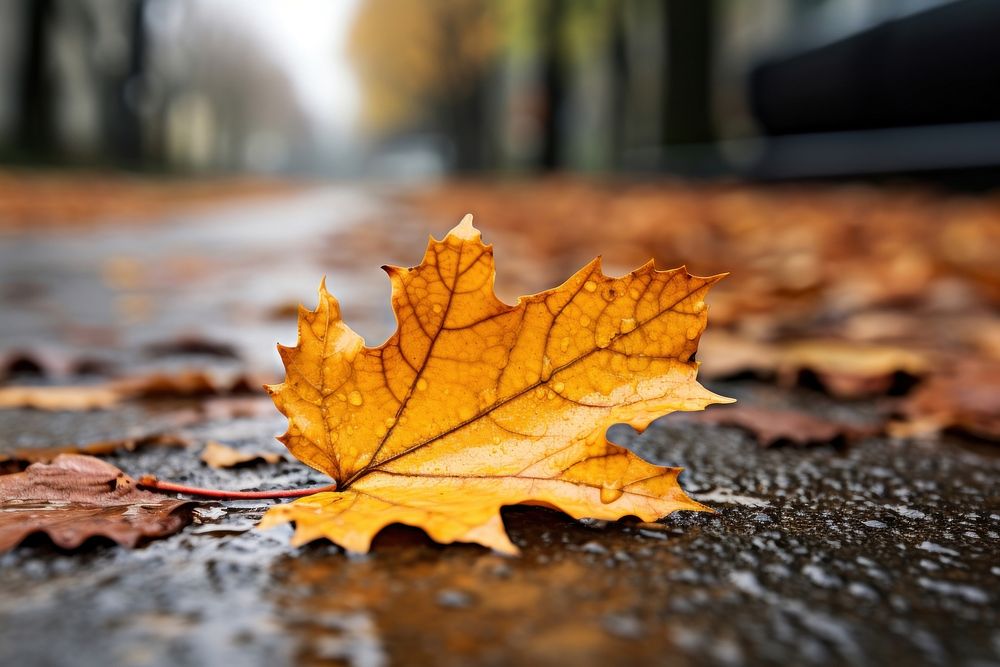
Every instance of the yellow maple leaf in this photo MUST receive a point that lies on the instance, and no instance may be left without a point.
(474, 404)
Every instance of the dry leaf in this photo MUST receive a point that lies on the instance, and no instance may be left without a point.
(849, 369)
(473, 404)
(54, 399)
(218, 455)
(75, 498)
(725, 355)
(845, 369)
(965, 399)
(186, 384)
(192, 345)
(50, 362)
(773, 427)
(20, 458)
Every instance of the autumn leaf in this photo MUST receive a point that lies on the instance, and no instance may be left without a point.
(473, 404)
(19, 459)
(771, 427)
(964, 397)
(218, 455)
(55, 399)
(82, 398)
(844, 369)
(77, 497)
(850, 370)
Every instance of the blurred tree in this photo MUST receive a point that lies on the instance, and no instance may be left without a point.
(34, 124)
(79, 88)
(424, 65)
(553, 14)
(125, 88)
(689, 33)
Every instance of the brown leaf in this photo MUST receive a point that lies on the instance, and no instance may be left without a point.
(844, 369)
(849, 369)
(192, 345)
(218, 455)
(724, 355)
(21, 458)
(967, 399)
(772, 427)
(49, 362)
(81, 398)
(55, 399)
(187, 384)
(169, 385)
(76, 497)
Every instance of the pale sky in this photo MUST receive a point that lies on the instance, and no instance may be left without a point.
(310, 37)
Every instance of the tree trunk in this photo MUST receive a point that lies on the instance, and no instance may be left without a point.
(34, 135)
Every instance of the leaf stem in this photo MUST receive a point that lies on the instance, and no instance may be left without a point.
(153, 484)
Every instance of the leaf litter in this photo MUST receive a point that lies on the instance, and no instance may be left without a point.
(76, 498)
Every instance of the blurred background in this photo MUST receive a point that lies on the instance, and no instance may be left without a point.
(186, 170)
(413, 89)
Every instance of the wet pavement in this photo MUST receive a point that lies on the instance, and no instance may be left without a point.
(883, 551)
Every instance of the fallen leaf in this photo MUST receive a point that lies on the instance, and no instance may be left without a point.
(473, 404)
(184, 384)
(192, 345)
(727, 356)
(850, 369)
(844, 369)
(76, 497)
(81, 398)
(44, 361)
(21, 458)
(966, 399)
(54, 399)
(218, 455)
(772, 427)
(50, 362)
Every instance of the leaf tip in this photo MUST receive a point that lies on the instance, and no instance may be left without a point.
(465, 230)
(392, 270)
